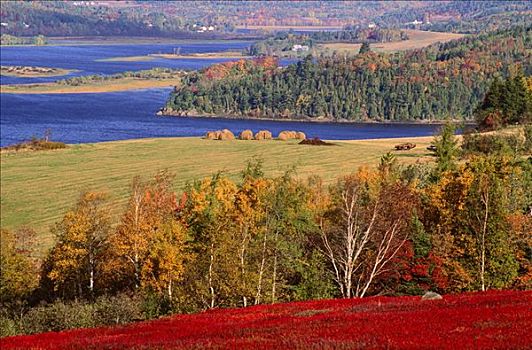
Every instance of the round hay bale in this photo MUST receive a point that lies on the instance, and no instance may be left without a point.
(300, 135)
(283, 136)
(212, 135)
(226, 134)
(287, 135)
(246, 135)
(263, 135)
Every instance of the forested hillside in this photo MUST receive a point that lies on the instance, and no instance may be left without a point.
(434, 83)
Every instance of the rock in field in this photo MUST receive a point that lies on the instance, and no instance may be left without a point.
(431, 296)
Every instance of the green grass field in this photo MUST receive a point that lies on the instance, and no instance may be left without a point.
(38, 187)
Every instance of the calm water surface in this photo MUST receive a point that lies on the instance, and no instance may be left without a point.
(80, 118)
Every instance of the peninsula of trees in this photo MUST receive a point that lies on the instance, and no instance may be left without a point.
(434, 83)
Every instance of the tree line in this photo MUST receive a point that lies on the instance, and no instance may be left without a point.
(154, 73)
(426, 84)
(459, 224)
(7, 39)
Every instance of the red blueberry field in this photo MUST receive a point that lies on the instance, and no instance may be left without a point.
(490, 320)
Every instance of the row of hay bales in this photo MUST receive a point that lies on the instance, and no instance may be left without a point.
(226, 134)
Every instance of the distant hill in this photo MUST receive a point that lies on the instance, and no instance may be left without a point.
(433, 83)
(212, 18)
(490, 320)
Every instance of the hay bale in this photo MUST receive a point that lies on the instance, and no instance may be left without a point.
(300, 135)
(212, 135)
(263, 135)
(287, 135)
(226, 134)
(246, 135)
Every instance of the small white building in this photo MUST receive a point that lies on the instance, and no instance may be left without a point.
(298, 48)
(415, 22)
(371, 25)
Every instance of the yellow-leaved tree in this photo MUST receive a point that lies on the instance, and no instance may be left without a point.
(147, 249)
(73, 263)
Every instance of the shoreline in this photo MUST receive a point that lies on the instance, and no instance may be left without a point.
(163, 114)
(421, 139)
(116, 40)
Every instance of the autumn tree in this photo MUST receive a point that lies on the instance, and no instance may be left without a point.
(288, 223)
(209, 215)
(148, 246)
(365, 227)
(487, 215)
(73, 263)
(468, 215)
(18, 266)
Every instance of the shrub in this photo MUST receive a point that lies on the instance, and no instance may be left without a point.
(120, 309)
(492, 143)
(58, 316)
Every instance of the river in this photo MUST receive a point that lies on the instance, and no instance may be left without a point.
(83, 118)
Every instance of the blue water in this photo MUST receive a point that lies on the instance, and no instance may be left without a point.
(85, 58)
(81, 118)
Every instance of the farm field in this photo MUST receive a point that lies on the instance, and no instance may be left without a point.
(122, 84)
(38, 187)
(417, 39)
(487, 320)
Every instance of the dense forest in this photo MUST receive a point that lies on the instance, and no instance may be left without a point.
(460, 16)
(433, 83)
(461, 223)
(67, 18)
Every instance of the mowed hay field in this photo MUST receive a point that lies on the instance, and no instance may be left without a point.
(417, 39)
(38, 187)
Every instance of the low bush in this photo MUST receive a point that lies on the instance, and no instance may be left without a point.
(492, 143)
(35, 145)
(58, 316)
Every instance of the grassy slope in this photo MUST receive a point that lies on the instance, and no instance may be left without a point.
(37, 187)
(490, 320)
(121, 84)
(417, 39)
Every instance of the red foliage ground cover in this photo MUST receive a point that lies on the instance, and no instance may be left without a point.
(491, 320)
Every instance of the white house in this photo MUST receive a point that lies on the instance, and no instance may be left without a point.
(297, 48)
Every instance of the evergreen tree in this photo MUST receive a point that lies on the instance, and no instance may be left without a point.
(364, 48)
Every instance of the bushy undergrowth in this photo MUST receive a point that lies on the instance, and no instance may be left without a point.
(58, 316)
(496, 143)
(35, 144)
